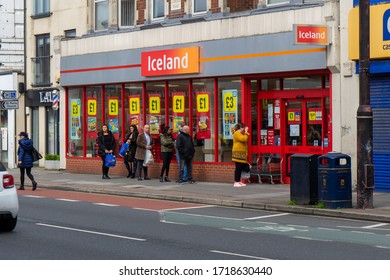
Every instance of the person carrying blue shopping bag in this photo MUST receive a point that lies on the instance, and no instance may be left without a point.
(106, 143)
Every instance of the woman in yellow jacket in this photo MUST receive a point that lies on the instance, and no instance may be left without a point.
(240, 152)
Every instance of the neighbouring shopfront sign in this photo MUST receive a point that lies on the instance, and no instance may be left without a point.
(134, 109)
(379, 32)
(229, 102)
(91, 117)
(203, 115)
(311, 34)
(113, 113)
(170, 62)
(75, 126)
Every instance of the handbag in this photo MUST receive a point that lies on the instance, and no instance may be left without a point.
(149, 159)
(35, 154)
(110, 160)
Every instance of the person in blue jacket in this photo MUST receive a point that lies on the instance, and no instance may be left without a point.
(25, 160)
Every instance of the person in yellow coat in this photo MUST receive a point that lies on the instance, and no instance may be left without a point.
(240, 152)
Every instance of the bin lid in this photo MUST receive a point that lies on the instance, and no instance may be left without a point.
(334, 155)
(302, 155)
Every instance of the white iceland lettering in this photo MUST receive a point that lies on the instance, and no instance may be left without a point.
(168, 63)
(311, 35)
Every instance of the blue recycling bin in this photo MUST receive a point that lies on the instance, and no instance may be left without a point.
(335, 180)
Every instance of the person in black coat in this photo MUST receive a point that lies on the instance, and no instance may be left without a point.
(25, 160)
(185, 147)
(130, 161)
(106, 142)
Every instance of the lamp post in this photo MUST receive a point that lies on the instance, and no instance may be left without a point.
(365, 168)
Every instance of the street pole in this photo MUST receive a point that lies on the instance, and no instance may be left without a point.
(365, 174)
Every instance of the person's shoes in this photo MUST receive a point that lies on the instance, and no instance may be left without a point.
(34, 185)
(104, 177)
(191, 182)
(237, 185)
(128, 175)
(21, 188)
(139, 179)
(108, 177)
(147, 178)
(161, 180)
(132, 176)
(180, 182)
(242, 184)
(166, 179)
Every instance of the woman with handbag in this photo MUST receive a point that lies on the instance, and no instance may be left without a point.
(144, 143)
(106, 142)
(167, 144)
(129, 160)
(25, 160)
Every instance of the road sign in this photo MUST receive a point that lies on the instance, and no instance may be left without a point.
(8, 94)
(10, 104)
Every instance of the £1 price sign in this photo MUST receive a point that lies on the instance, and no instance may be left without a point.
(134, 105)
(154, 104)
(91, 107)
(113, 106)
(202, 102)
(178, 102)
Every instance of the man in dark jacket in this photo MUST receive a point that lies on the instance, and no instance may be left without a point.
(185, 146)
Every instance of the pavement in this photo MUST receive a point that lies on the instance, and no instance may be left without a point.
(270, 197)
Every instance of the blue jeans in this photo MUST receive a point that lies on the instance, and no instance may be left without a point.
(184, 170)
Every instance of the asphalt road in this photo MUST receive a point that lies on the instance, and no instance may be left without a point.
(71, 226)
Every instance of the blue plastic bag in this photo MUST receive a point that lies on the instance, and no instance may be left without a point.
(110, 160)
(124, 149)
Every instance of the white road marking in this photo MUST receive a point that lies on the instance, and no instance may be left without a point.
(330, 229)
(362, 232)
(185, 208)
(106, 204)
(238, 255)
(375, 226)
(382, 247)
(91, 232)
(311, 239)
(34, 196)
(269, 216)
(67, 200)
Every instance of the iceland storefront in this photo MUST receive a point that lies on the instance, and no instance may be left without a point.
(276, 85)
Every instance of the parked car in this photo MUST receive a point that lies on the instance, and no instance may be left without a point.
(9, 204)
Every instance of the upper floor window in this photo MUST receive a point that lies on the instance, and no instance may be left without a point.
(272, 2)
(70, 33)
(199, 6)
(127, 12)
(158, 9)
(101, 14)
(41, 7)
(41, 61)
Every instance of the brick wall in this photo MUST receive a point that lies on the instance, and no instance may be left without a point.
(241, 5)
(209, 172)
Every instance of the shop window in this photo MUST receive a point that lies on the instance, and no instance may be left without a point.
(133, 105)
(270, 84)
(75, 122)
(52, 131)
(158, 9)
(277, 2)
(127, 12)
(254, 110)
(4, 138)
(199, 6)
(94, 118)
(229, 90)
(270, 122)
(203, 119)
(302, 82)
(113, 109)
(101, 14)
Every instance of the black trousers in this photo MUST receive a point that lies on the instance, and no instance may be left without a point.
(105, 169)
(237, 172)
(24, 170)
(166, 157)
(140, 167)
